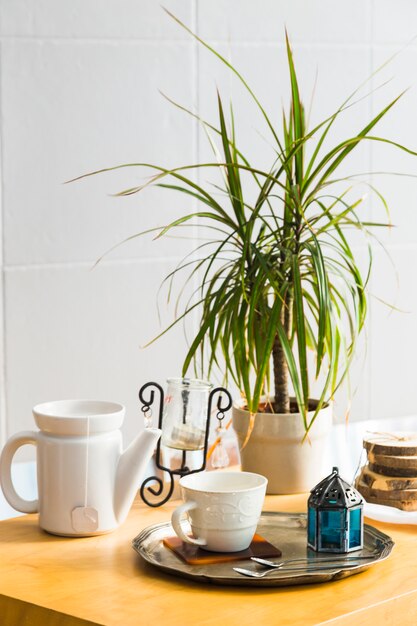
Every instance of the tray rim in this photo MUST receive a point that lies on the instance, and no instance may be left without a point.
(235, 579)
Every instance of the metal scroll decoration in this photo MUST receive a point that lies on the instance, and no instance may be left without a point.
(154, 485)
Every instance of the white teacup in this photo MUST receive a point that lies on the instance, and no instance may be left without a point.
(223, 508)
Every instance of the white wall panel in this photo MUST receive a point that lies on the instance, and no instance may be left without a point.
(398, 178)
(394, 22)
(394, 333)
(79, 91)
(111, 19)
(317, 21)
(76, 333)
(73, 107)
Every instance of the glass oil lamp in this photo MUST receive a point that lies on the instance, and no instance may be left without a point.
(185, 413)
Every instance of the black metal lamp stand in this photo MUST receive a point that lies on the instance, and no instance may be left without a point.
(147, 398)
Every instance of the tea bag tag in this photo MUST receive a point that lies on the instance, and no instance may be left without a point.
(84, 519)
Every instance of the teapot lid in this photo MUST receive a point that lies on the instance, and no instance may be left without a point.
(78, 417)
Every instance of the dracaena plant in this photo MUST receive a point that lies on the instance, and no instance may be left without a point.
(277, 277)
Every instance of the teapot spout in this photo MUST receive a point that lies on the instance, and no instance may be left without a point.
(131, 467)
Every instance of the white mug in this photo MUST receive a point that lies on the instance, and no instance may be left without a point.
(223, 508)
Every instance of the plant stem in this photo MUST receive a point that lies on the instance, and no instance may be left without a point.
(281, 382)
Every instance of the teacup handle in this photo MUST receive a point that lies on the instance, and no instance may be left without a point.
(176, 523)
(6, 458)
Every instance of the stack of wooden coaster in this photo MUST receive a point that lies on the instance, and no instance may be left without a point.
(390, 474)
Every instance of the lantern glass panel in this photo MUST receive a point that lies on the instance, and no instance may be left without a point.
(332, 528)
(311, 537)
(355, 528)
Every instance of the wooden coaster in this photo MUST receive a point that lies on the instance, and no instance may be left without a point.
(376, 496)
(394, 462)
(391, 494)
(193, 555)
(392, 444)
(376, 480)
(395, 472)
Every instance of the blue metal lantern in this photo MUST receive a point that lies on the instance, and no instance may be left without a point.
(335, 516)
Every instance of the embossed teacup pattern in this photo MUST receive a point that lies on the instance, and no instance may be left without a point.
(217, 513)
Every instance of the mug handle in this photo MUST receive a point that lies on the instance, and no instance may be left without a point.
(176, 523)
(6, 458)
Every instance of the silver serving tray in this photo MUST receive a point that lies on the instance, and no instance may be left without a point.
(287, 531)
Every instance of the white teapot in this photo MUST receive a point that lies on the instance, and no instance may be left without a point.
(86, 484)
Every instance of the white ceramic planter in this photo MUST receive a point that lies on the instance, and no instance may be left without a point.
(276, 449)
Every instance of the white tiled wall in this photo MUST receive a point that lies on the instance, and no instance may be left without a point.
(79, 91)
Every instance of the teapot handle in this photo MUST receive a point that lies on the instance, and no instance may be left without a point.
(6, 458)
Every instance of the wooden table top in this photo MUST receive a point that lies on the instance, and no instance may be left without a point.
(53, 581)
